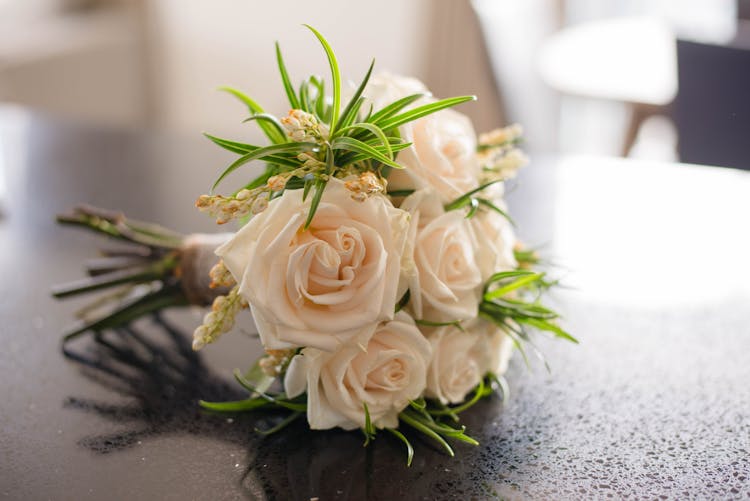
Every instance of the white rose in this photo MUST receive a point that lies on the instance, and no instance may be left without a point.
(449, 265)
(322, 286)
(444, 145)
(496, 237)
(493, 348)
(457, 365)
(385, 374)
(386, 88)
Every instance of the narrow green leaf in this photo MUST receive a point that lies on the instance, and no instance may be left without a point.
(394, 107)
(254, 107)
(400, 193)
(492, 206)
(376, 131)
(502, 275)
(235, 406)
(304, 97)
(260, 153)
(351, 144)
(467, 197)
(409, 448)
(403, 301)
(549, 327)
(293, 101)
(478, 393)
(429, 323)
(271, 121)
(474, 203)
(515, 284)
(335, 75)
(421, 111)
(282, 424)
(256, 376)
(293, 406)
(243, 148)
(349, 119)
(350, 112)
(320, 186)
(419, 426)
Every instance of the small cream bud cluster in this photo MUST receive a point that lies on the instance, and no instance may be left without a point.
(220, 276)
(276, 361)
(501, 164)
(365, 185)
(225, 209)
(310, 162)
(501, 137)
(220, 319)
(302, 126)
(498, 156)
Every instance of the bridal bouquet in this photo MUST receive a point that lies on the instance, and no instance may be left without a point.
(375, 253)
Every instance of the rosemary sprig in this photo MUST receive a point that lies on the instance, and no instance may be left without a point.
(336, 143)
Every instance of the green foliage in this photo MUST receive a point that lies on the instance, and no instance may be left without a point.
(346, 140)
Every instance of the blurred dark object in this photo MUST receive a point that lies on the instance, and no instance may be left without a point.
(712, 108)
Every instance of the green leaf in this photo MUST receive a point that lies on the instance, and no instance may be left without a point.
(271, 121)
(335, 75)
(474, 203)
(491, 206)
(376, 131)
(429, 323)
(258, 378)
(293, 101)
(235, 406)
(421, 427)
(502, 275)
(409, 448)
(351, 157)
(357, 146)
(286, 404)
(515, 284)
(282, 424)
(320, 186)
(421, 111)
(466, 198)
(403, 301)
(478, 393)
(549, 327)
(395, 107)
(350, 112)
(400, 193)
(262, 153)
(244, 148)
(304, 97)
(254, 107)
(347, 120)
(369, 429)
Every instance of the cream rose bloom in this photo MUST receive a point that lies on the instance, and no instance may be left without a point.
(457, 365)
(322, 286)
(461, 358)
(449, 266)
(496, 237)
(443, 150)
(493, 348)
(385, 373)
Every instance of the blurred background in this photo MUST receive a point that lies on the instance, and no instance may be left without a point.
(656, 79)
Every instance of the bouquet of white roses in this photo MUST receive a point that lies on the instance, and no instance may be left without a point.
(376, 256)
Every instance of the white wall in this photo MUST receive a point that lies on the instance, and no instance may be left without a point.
(201, 45)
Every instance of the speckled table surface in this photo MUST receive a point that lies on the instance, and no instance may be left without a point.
(653, 404)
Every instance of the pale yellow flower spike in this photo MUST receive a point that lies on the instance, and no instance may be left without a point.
(220, 319)
(220, 276)
(275, 361)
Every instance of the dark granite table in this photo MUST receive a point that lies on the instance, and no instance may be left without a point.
(653, 404)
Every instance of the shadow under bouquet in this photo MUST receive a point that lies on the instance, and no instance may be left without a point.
(375, 253)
